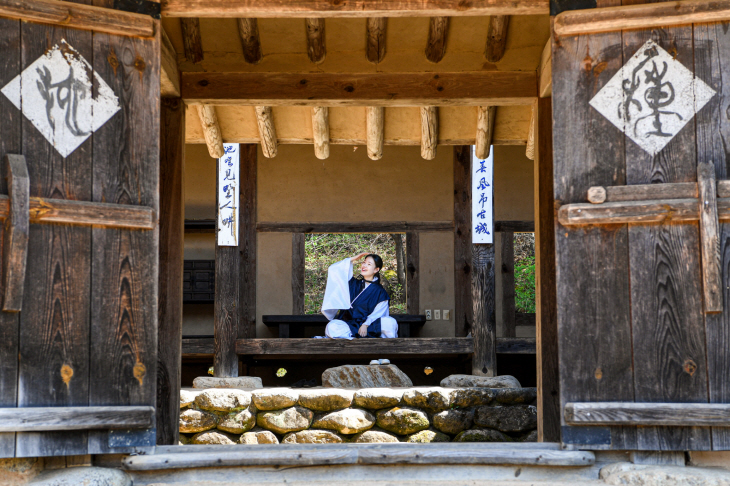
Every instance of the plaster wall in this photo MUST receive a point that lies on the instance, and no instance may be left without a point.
(436, 278)
(273, 278)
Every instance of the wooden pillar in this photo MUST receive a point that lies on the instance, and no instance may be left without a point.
(484, 360)
(463, 311)
(548, 385)
(412, 281)
(169, 303)
(298, 256)
(247, 242)
(508, 283)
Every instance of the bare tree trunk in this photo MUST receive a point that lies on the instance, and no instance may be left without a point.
(400, 258)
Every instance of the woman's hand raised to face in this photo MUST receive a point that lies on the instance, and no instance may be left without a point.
(357, 257)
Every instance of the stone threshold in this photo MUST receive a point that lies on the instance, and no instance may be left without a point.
(508, 454)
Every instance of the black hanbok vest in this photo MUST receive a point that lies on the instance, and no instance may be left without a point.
(363, 304)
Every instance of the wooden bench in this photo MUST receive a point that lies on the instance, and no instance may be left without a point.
(407, 323)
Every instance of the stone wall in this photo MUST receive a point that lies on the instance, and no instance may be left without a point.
(332, 415)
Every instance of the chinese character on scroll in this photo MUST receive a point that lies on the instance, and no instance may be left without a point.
(228, 187)
(482, 230)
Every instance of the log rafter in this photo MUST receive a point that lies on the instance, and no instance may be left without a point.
(375, 49)
(438, 30)
(375, 127)
(496, 37)
(316, 49)
(429, 131)
(267, 131)
(248, 31)
(321, 131)
(485, 129)
(192, 43)
(211, 130)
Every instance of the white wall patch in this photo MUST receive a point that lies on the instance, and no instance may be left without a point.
(55, 94)
(652, 97)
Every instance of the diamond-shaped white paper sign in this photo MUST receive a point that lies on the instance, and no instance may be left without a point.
(55, 94)
(652, 97)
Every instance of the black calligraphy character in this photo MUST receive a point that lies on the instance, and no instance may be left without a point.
(68, 93)
(660, 95)
(631, 85)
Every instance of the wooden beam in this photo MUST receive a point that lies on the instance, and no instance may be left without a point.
(169, 72)
(316, 47)
(361, 227)
(211, 130)
(647, 414)
(248, 31)
(375, 127)
(645, 16)
(17, 227)
(647, 192)
(429, 131)
(438, 29)
(420, 346)
(370, 89)
(353, 9)
(375, 48)
(709, 238)
(515, 345)
(515, 226)
(79, 16)
(192, 44)
(530, 148)
(485, 129)
(508, 284)
(412, 274)
(248, 174)
(653, 211)
(321, 131)
(496, 37)
(463, 307)
(267, 131)
(298, 256)
(170, 269)
(546, 71)
(40, 419)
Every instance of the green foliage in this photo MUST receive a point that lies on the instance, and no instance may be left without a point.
(525, 285)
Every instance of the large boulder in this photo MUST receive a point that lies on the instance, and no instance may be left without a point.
(257, 435)
(454, 421)
(365, 376)
(325, 400)
(214, 437)
(432, 400)
(471, 397)
(187, 398)
(402, 420)
(378, 398)
(223, 400)
(192, 421)
(275, 398)
(374, 436)
(238, 422)
(466, 381)
(312, 436)
(516, 418)
(347, 421)
(482, 435)
(427, 436)
(290, 419)
(242, 382)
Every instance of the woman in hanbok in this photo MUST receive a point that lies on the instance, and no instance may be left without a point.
(357, 307)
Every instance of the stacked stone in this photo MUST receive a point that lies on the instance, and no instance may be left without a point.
(331, 415)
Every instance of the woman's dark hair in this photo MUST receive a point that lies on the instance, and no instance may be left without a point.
(378, 264)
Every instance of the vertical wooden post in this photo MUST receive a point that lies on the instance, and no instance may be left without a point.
(412, 282)
(247, 241)
(508, 283)
(227, 306)
(172, 234)
(297, 273)
(548, 385)
(484, 360)
(463, 311)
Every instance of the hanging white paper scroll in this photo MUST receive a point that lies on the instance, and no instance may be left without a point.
(228, 186)
(482, 212)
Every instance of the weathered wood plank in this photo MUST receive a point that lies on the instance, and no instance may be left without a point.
(665, 414)
(192, 43)
(55, 322)
(372, 89)
(459, 345)
(655, 211)
(496, 37)
(548, 381)
(170, 278)
(124, 306)
(666, 303)
(363, 227)
(169, 72)
(298, 256)
(10, 143)
(248, 31)
(375, 39)
(17, 226)
(316, 47)
(79, 16)
(247, 240)
(484, 328)
(412, 281)
(709, 238)
(645, 16)
(590, 261)
(37, 419)
(508, 283)
(644, 192)
(463, 309)
(546, 71)
(438, 30)
(712, 62)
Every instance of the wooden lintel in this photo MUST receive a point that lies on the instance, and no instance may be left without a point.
(485, 130)
(429, 131)
(644, 16)
(17, 227)
(267, 131)
(496, 37)
(79, 16)
(438, 30)
(354, 8)
(515, 226)
(248, 31)
(375, 128)
(192, 42)
(375, 48)
(321, 131)
(38, 419)
(371, 89)
(362, 227)
(211, 130)
(648, 414)
(169, 72)
(546, 71)
(712, 286)
(316, 47)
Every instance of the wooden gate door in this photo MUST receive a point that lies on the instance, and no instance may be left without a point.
(641, 132)
(79, 146)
